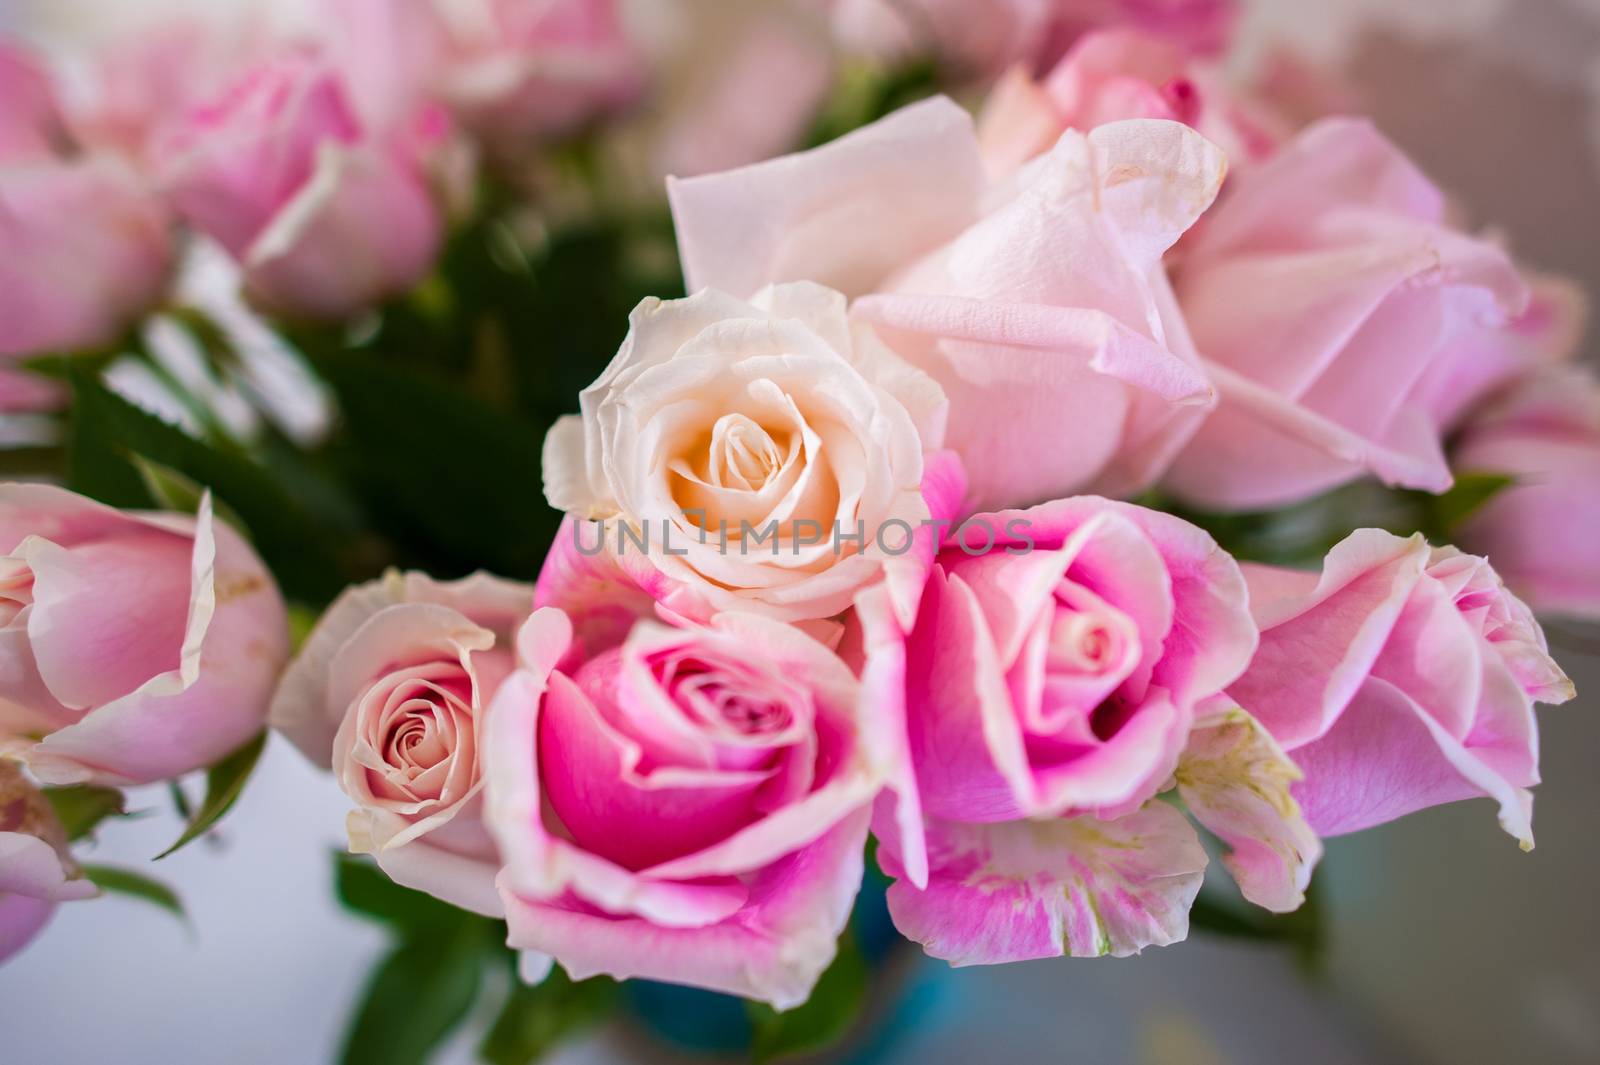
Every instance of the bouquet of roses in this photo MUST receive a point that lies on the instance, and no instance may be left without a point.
(1012, 502)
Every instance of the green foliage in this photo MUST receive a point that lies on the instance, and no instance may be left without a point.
(826, 1017)
(364, 889)
(118, 881)
(224, 782)
(418, 994)
(1305, 931)
(82, 807)
(109, 441)
(535, 1020)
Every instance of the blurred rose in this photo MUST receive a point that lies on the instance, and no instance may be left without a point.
(1541, 532)
(85, 246)
(136, 646)
(1050, 683)
(1402, 677)
(1111, 75)
(744, 442)
(326, 213)
(1345, 325)
(688, 805)
(85, 249)
(389, 692)
(1064, 372)
(36, 869)
(1034, 33)
(515, 71)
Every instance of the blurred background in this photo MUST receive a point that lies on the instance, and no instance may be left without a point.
(1447, 945)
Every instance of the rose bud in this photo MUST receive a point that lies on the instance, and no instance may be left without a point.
(389, 693)
(136, 646)
(1401, 677)
(36, 868)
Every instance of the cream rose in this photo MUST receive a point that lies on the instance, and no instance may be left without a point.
(764, 456)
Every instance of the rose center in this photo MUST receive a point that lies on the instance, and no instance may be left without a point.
(1079, 643)
(743, 454)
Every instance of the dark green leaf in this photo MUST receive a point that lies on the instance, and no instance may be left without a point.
(119, 881)
(173, 491)
(825, 1019)
(535, 1020)
(108, 432)
(224, 782)
(1448, 512)
(1304, 931)
(417, 995)
(81, 807)
(455, 481)
(365, 889)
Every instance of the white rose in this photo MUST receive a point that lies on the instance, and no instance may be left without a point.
(770, 453)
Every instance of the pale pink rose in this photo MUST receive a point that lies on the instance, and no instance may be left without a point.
(22, 393)
(1116, 74)
(1402, 677)
(516, 71)
(326, 212)
(765, 456)
(1064, 372)
(136, 646)
(687, 805)
(1345, 325)
(1051, 683)
(36, 868)
(1540, 532)
(389, 692)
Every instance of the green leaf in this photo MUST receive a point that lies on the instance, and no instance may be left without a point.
(365, 889)
(224, 782)
(535, 1020)
(452, 479)
(415, 997)
(1448, 512)
(119, 881)
(107, 432)
(173, 491)
(81, 807)
(826, 1017)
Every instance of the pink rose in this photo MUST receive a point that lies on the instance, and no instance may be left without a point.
(1345, 325)
(36, 869)
(1052, 684)
(136, 646)
(1541, 531)
(515, 71)
(30, 124)
(1062, 371)
(1116, 74)
(389, 692)
(1402, 677)
(687, 804)
(326, 212)
(765, 456)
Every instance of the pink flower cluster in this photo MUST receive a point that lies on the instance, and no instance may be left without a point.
(666, 762)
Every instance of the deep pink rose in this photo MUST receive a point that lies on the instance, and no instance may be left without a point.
(1051, 683)
(136, 646)
(389, 692)
(1543, 532)
(1402, 677)
(30, 123)
(1064, 372)
(689, 804)
(1116, 74)
(1344, 324)
(515, 71)
(36, 869)
(326, 211)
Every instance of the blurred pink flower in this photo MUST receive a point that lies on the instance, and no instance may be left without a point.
(1541, 531)
(326, 213)
(136, 646)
